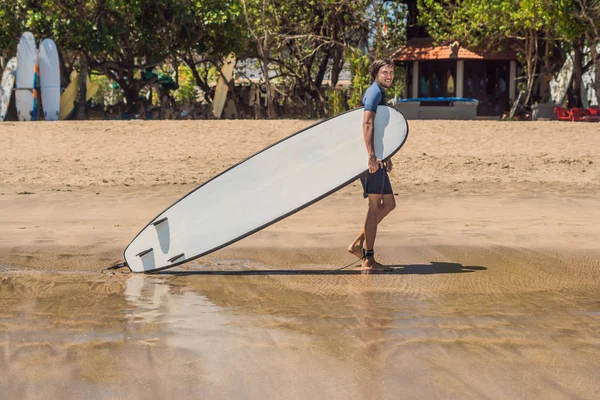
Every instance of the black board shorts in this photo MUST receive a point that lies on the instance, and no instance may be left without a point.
(376, 183)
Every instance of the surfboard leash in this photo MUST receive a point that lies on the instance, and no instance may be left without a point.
(349, 265)
(117, 265)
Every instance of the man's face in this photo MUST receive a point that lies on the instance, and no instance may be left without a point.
(385, 76)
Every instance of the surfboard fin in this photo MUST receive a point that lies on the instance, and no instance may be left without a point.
(143, 253)
(160, 221)
(177, 257)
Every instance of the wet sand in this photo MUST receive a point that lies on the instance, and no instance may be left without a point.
(495, 291)
(251, 333)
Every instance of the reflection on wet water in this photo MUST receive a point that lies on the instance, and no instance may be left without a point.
(293, 336)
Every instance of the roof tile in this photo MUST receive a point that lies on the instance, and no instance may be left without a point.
(424, 49)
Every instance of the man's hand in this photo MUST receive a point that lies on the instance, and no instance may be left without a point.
(374, 164)
(389, 165)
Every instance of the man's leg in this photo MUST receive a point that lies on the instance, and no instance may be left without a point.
(387, 205)
(370, 228)
(375, 209)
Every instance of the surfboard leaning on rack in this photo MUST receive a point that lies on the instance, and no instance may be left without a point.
(49, 79)
(8, 82)
(27, 78)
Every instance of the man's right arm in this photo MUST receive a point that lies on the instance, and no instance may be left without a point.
(369, 134)
(371, 100)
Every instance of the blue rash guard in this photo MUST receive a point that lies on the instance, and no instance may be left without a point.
(374, 96)
(378, 182)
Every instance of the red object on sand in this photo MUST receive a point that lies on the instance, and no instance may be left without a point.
(594, 111)
(562, 114)
(577, 114)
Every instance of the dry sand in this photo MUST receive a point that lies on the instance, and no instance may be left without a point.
(495, 291)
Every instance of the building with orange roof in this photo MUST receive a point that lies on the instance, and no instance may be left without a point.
(454, 71)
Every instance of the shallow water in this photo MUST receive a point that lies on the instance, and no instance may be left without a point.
(294, 335)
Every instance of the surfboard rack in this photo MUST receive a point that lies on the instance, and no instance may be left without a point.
(160, 221)
(177, 257)
(143, 253)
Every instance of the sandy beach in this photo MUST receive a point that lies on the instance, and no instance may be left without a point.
(495, 291)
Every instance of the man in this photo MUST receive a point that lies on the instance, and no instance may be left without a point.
(376, 182)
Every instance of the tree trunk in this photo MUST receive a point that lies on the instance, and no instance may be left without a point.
(596, 61)
(338, 64)
(132, 95)
(546, 75)
(270, 108)
(65, 72)
(264, 52)
(129, 86)
(265, 67)
(322, 69)
(176, 67)
(577, 72)
(81, 103)
(532, 56)
(201, 83)
(262, 45)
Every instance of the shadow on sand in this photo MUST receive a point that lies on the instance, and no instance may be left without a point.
(409, 269)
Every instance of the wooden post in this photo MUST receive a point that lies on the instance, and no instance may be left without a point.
(512, 81)
(415, 80)
(460, 78)
(80, 102)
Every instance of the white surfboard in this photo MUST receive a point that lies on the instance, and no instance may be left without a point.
(6, 87)
(265, 188)
(27, 76)
(222, 86)
(49, 79)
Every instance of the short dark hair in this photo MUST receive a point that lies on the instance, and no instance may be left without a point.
(378, 64)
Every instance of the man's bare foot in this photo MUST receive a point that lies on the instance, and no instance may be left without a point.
(355, 249)
(370, 265)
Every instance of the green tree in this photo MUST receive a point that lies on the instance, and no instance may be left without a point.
(361, 78)
(120, 37)
(387, 26)
(532, 27)
(11, 27)
(301, 42)
(587, 16)
(224, 34)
